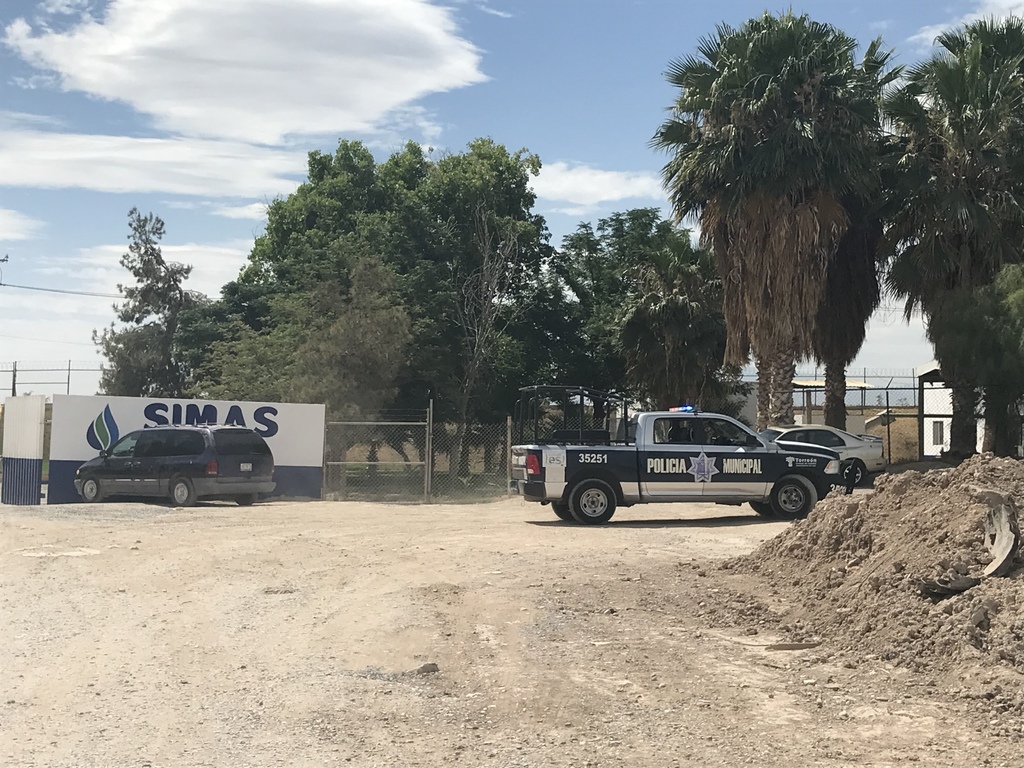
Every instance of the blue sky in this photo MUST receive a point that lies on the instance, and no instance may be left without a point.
(203, 111)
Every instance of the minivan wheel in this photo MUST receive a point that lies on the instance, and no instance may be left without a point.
(245, 500)
(183, 493)
(91, 491)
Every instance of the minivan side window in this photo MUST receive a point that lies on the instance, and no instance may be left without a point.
(186, 444)
(151, 443)
(125, 447)
(230, 442)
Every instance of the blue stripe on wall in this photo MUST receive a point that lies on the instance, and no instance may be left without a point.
(292, 482)
(22, 481)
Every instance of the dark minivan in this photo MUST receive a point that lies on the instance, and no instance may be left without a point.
(182, 463)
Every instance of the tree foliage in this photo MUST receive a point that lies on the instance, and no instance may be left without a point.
(142, 354)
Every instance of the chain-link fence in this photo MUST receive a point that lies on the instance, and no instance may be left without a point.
(404, 456)
(913, 422)
(484, 471)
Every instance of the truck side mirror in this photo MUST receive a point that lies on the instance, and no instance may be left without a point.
(753, 441)
(105, 453)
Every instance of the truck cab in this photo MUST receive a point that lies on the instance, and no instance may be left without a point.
(587, 465)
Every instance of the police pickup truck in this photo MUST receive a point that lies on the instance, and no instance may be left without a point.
(601, 459)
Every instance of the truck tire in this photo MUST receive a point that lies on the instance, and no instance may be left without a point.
(561, 509)
(763, 508)
(792, 497)
(592, 502)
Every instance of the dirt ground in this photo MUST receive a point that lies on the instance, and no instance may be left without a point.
(304, 634)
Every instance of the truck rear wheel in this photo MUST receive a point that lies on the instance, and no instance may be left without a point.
(592, 502)
(561, 509)
(792, 497)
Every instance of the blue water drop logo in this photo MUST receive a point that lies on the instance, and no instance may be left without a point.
(103, 432)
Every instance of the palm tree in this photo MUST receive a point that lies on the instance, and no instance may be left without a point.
(852, 291)
(672, 331)
(851, 295)
(773, 128)
(958, 212)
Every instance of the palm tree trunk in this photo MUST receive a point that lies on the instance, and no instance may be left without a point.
(963, 431)
(835, 393)
(764, 391)
(783, 370)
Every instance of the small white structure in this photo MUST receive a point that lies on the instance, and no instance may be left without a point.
(936, 409)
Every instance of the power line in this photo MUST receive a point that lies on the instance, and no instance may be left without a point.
(45, 341)
(61, 290)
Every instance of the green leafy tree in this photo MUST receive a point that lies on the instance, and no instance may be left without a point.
(465, 254)
(599, 268)
(142, 356)
(774, 126)
(342, 345)
(672, 331)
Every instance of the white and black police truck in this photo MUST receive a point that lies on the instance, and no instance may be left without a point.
(580, 451)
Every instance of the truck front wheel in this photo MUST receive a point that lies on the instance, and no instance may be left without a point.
(792, 497)
(592, 502)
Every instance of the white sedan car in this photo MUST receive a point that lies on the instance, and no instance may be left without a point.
(861, 453)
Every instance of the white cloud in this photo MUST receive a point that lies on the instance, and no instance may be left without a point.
(127, 164)
(64, 7)
(256, 211)
(10, 120)
(494, 11)
(983, 9)
(99, 268)
(17, 226)
(584, 188)
(36, 82)
(257, 70)
(65, 329)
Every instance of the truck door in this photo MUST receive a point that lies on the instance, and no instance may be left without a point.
(736, 461)
(670, 466)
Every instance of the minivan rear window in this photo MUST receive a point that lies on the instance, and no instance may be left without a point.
(240, 443)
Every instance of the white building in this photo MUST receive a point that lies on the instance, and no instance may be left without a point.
(936, 409)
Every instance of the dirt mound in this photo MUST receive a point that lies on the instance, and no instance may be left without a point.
(853, 570)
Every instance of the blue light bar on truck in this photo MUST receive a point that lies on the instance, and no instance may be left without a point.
(683, 409)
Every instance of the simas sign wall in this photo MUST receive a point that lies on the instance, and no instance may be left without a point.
(83, 426)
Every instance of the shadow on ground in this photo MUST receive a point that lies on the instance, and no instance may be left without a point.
(730, 521)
